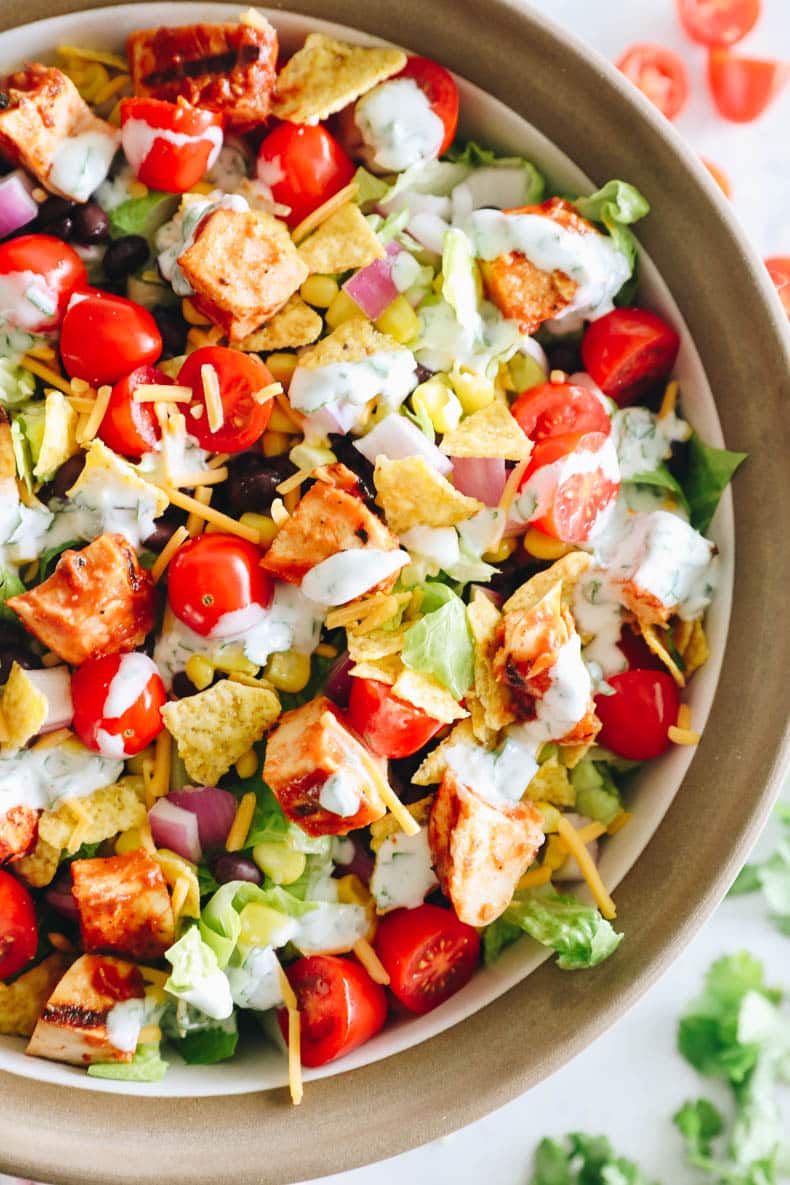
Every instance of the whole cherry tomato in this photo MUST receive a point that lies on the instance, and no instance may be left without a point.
(38, 274)
(389, 726)
(105, 337)
(637, 716)
(118, 703)
(304, 166)
(216, 586)
(18, 928)
(188, 144)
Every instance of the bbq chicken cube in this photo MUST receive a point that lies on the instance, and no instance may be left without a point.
(18, 827)
(124, 904)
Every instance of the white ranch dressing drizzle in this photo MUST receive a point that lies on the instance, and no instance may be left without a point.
(176, 237)
(403, 874)
(568, 697)
(662, 554)
(82, 162)
(38, 778)
(106, 503)
(329, 928)
(348, 574)
(498, 775)
(26, 300)
(128, 684)
(255, 983)
(340, 794)
(537, 493)
(389, 374)
(643, 440)
(124, 1022)
(138, 138)
(399, 128)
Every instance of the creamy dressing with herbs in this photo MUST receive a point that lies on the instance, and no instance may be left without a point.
(255, 982)
(643, 440)
(81, 163)
(330, 928)
(349, 574)
(445, 342)
(138, 138)
(398, 126)
(38, 778)
(105, 503)
(501, 774)
(537, 494)
(663, 555)
(568, 698)
(389, 375)
(599, 613)
(26, 300)
(340, 794)
(403, 874)
(177, 236)
(124, 1022)
(24, 530)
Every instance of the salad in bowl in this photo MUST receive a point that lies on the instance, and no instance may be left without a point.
(354, 549)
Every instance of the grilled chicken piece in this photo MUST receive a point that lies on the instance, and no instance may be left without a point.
(73, 1026)
(124, 904)
(98, 601)
(531, 641)
(480, 850)
(224, 67)
(302, 753)
(328, 519)
(42, 118)
(18, 828)
(243, 267)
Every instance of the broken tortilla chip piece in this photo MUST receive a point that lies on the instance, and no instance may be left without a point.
(23, 708)
(384, 670)
(414, 494)
(433, 766)
(427, 693)
(22, 1002)
(495, 698)
(59, 441)
(381, 829)
(102, 814)
(374, 645)
(655, 643)
(343, 242)
(39, 867)
(490, 432)
(295, 325)
(568, 571)
(571, 755)
(691, 644)
(214, 728)
(353, 341)
(103, 468)
(552, 784)
(325, 75)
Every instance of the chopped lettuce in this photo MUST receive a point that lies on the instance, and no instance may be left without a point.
(578, 933)
(440, 643)
(617, 206)
(196, 976)
(461, 286)
(583, 1160)
(10, 586)
(220, 926)
(23, 455)
(50, 556)
(206, 1046)
(662, 479)
(147, 1065)
(710, 471)
(370, 189)
(270, 825)
(142, 216)
(390, 227)
(475, 157)
(597, 795)
(17, 385)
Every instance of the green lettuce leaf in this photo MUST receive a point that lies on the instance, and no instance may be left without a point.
(578, 933)
(17, 385)
(205, 1047)
(370, 189)
(390, 227)
(710, 471)
(461, 285)
(50, 556)
(596, 791)
(220, 926)
(10, 586)
(22, 452)
(617, 206)
(147, 1065)
(270, 825)
(196, 976)
(497, 937)
(475, 157)
(142, 216)
(661, 478)
(440, 643)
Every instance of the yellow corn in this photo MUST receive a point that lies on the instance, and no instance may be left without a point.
(524, 372)
(260, 924)
(198, 337)
(181, 875)
(129, 841)
(279, 422)
(351, 891)
(342, 308)
(203, 187)
(279, 862)
(200, 671)
(281, 366)
(437, 400)
(498, 554)
(134, 765)
(275, 443)
(550, 816)
(247, 764)
(319, 291)
(235, 664)
(288, 671)
(543, 547)
(137, 189)
(555, 854)
(266, 527)
(192, 315)
(399, 320)
(474, 391)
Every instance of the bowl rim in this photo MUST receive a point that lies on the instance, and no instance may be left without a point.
(640, 145)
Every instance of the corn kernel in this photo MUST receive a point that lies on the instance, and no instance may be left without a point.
(503, 550)
(230, 662)
(543, 547)
(260, 925)
(203, 187)
(525, 372)
(474, 391)
(399, 321)
(197, 337)
(200, 672)
(137, 189)
(279, 422)
(134, 765)
(281, 366)
(279, 862)
(319, 291)
(192, 315)
(550, 816)
(291, 500)
(266, 527)
(436, 399)
(247, 765)
(342, 308)
(128, 841)
(556, 853)
(289, 671)
(310, 456)
(275, 443)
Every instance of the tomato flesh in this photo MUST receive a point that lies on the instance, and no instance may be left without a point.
(240, 377)
(635, 719)
(572, 497)
(389, 726)
(743, 88)
(428, 954)
(18, 927)
(165, 163)
(340, 1007)
(57, 272)
(719, 176)
(779, 271)
(128, 427)
(718, 22)
(214, 575)
(438, 86)
(659, 74)
(304, 166)
(103, 685)
(105, 337)
(628, 352)
(551, 409)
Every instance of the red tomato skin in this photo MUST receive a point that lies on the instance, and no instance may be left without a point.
(438, 85)
(339, 1004)
(552, 409)
(742, 88)
(313, 165)
(138, 725)
(629, 351)
(636, 718)
(389, 726)
(720, 24)
(719, 176)
(105, 337)
(240, 376)
(659, 74)
(172, 168)
(18, 927)
(51, 258)
(415, 944)
(779, 271)
(581, 498)
(215, 574)
(130, 428)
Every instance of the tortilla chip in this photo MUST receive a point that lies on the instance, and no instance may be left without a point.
(7, 457)
(485, 735)
(23, 708)
(22, 1002)
(343, 242)
(295, 325)
(568, 570)
(353, 341)
(490, 432)
(214, 728)
(95, 816)
(59, 441)
(655, 644)
(427, 693)
(388, 825)
(413, 494)
(691, 644)
(571, 755)
(325, 75)
(374, 645)
(432, 768)
(385, 669)
(101, 462)
(495, 698)
(552, 784)
(39, 868)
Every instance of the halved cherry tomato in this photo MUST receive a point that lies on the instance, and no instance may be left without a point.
(428, 954)
(240, 377)
(438, 86)
(571, 497)
(719, 176)
(551, 409)
(659, 74)
(628, 351)
(718, 22)
(636, 717)
(388, 725)
(38, 274)
(304, 166)
(340, 1007)
(131, 428)
(214, 575)
(637, 653)
(779, 271)
(177, 159)
(105, 337)
(742, 88)
(118, 703)
(18, 928)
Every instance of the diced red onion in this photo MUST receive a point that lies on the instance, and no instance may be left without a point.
(17, 206)
(338, 681)
(215, 810)
(570, 870)
(175, 828)
(480, 477)
(333, 419)
(232, 867)
(395, 438)
(513, 528)
(61, 898)
(372, 287)
(55, 684)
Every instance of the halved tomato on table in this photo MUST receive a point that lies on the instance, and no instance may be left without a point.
(239, 378)
(659, 74)
(718, 22)
(743, 88)
(779, 271)
(428, 954)
(340, 1007)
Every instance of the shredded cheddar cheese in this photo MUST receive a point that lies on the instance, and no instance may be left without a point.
(207, 513)
(201, 478)
(294, 1039)
(218, 460)
(682, 736)
(535, 876)
(294, 481)
(161, 392)
(570, 838)
(52, 739)
(159, 783)
(211, 394)
(618, 822)
(669, 402)
(241, 824)
(97, 414)
(60, 942)
(296, 417)
(511, 486)
(590, 832)
(407, 822)
(196, 522)
(684, 716)
(179, 536)
(46, 373)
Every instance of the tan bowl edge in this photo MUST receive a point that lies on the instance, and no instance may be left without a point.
(570, 94)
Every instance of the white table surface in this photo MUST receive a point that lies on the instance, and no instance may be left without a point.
(630, 1081)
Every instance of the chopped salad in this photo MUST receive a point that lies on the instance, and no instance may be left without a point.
(353, 548)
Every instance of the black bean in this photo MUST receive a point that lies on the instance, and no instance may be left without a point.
(423, 373)
(183, 685)
(91, 224)
(565, 357)
(232, 867)
(19, 654)
(160, 535)
(55, 207)
(343, 448)
(67, 474)
(62, 226)
(124, 256)
(173, 329)
(253, 480)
